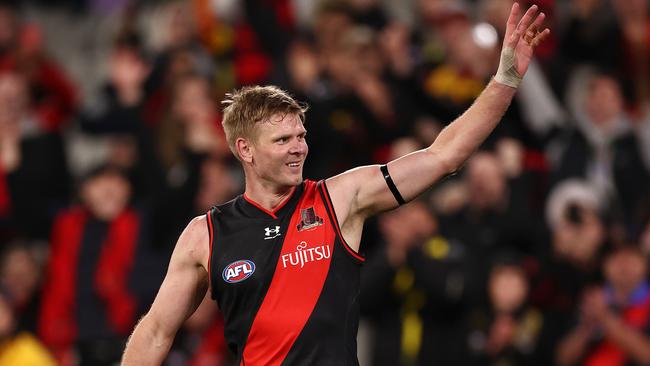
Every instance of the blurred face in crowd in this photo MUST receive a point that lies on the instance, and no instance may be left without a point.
(604, 101)
(193, 100)
(216, 185)
(303, 65)
(342, 67)
(363, 43)
(278, 150)
(407, 224)
(329, 28)
(496, 13)
(463, 50)
(486, 181)
(8, 28)
(625, 269)
(106, 195)
(126, 68)
(180, 27)
(508, 288)
(19, 275)
(14, 98)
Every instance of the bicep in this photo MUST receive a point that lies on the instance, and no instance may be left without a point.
(366, 192)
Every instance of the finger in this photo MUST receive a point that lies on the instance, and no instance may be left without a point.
(522, 26)
(533, 29)
(527, 19)
(541, 36)
(511, 25)
(539, 21)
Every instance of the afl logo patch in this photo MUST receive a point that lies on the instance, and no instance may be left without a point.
(238, 271)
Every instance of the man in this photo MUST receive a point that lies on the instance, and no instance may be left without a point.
(613, 323)
(282, 258)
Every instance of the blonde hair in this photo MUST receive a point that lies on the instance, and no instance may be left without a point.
(248, 106)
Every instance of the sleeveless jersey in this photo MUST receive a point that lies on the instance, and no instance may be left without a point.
(285, 280)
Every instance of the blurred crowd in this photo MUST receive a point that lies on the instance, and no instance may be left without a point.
(535, 253)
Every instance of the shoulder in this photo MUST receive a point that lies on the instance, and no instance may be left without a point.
(227, 208)
(194, 242)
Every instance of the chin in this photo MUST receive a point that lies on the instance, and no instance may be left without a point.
(297, 180)
(294, 180)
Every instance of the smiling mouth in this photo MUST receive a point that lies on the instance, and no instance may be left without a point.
(293, 165)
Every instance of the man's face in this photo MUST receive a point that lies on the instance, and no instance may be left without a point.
(279, 150)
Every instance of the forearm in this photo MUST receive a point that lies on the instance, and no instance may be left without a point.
(629, 339)
(461, 138)
(451, 148)
(146, 346)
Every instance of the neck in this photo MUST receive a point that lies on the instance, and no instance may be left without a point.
(266, 194)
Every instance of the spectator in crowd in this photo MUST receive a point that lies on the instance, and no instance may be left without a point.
(634, 20)
(29, 156)
(121, 116)
(590, 24)
(20, 278)
(453, 67)
(216, 184)
(578, 236)
(19, 348)
(613, 325)
(492, 216)
(413, 290)
(508, 331)
(90, 299)
(603, 149)
(9, 30)
(180, 52)
(52, 95)
(189, 135)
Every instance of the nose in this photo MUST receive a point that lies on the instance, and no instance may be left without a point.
(298, 147)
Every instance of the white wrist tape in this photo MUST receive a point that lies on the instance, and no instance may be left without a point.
(507, 74)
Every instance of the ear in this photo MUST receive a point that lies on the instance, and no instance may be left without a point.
(244, 149)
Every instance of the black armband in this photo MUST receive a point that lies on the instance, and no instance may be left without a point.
(391, 185)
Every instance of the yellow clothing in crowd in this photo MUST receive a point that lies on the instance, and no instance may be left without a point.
(24, 350)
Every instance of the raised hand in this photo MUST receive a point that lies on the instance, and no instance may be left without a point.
(521, 38)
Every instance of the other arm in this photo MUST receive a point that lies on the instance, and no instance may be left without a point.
(181, 292)
(362, 192)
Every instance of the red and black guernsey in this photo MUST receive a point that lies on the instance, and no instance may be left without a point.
(286, 281)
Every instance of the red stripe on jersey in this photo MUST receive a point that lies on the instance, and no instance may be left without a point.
(211, 236)
(296, 285)
(326, 194)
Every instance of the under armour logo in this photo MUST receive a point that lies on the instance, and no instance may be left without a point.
(270, 233)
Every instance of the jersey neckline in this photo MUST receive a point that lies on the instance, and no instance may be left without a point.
(254, 209)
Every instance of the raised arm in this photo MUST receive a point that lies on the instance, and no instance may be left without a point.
(182, 290)
(362, 192)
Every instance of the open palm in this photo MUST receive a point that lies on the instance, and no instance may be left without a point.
(523, 35)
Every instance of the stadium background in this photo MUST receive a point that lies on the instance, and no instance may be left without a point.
(534, 253)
